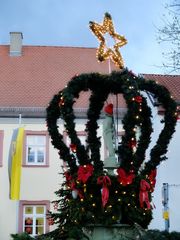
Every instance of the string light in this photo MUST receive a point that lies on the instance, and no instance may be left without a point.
(103, 52)
(84, 187)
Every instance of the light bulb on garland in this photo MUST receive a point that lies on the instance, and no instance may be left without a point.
(103, 52)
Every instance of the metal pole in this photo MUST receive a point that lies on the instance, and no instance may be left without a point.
(165, 199)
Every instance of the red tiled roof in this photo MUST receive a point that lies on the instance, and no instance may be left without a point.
(31, 80)
(171, 82)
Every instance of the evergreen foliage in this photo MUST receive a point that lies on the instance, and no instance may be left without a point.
(123, 204)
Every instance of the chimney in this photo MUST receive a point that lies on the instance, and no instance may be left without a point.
(16, 44)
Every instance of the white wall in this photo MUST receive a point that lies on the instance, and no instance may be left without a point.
(168, 172)
(36, 183)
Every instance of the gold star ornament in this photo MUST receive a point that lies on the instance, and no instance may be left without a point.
(104, 52)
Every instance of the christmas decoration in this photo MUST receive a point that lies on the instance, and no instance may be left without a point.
(103, 51)
(105, 181)
(143, 194)
(84, 172)
(92, 193)
(152, 179)
(73, 147)
(127, 197)
(125, 178)
(109, 109)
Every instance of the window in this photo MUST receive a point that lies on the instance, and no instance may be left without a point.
(32, 217)
(1, 147)
(36, 149)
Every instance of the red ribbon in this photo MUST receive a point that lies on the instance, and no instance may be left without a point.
(105, 181)
(143, 194)
(73, 147)
(68, 176)
(125, 178)
(138, 99)
(152, 179)
(84, 172)
(71, 183)
(132, 144)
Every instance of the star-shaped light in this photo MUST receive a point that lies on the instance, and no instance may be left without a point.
(103, 52)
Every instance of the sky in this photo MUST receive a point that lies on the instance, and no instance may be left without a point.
(65, 23)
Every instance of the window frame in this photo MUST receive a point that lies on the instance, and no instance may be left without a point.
(22, 204)
(1, 147)
(36, 133)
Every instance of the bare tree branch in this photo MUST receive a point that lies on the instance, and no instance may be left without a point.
(170, 32)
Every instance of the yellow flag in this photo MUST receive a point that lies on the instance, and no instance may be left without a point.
(17, 156)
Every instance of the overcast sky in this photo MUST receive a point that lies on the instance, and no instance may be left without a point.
(65, 23)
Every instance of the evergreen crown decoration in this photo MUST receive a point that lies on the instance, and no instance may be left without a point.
(124, 203)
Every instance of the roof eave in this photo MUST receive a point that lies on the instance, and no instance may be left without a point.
(40, 112)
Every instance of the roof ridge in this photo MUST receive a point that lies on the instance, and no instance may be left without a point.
(51, 46)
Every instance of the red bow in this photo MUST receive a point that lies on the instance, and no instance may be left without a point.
(138, 99)
(68, 176)
(125, 178)
(152, 178)
(61, 102)
(73, 147)
(143, 194)
(105, 181)
(69, 179)
(71, 183)
(132, 143)
(84, 172)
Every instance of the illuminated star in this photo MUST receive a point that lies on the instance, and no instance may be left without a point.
(103, 52)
